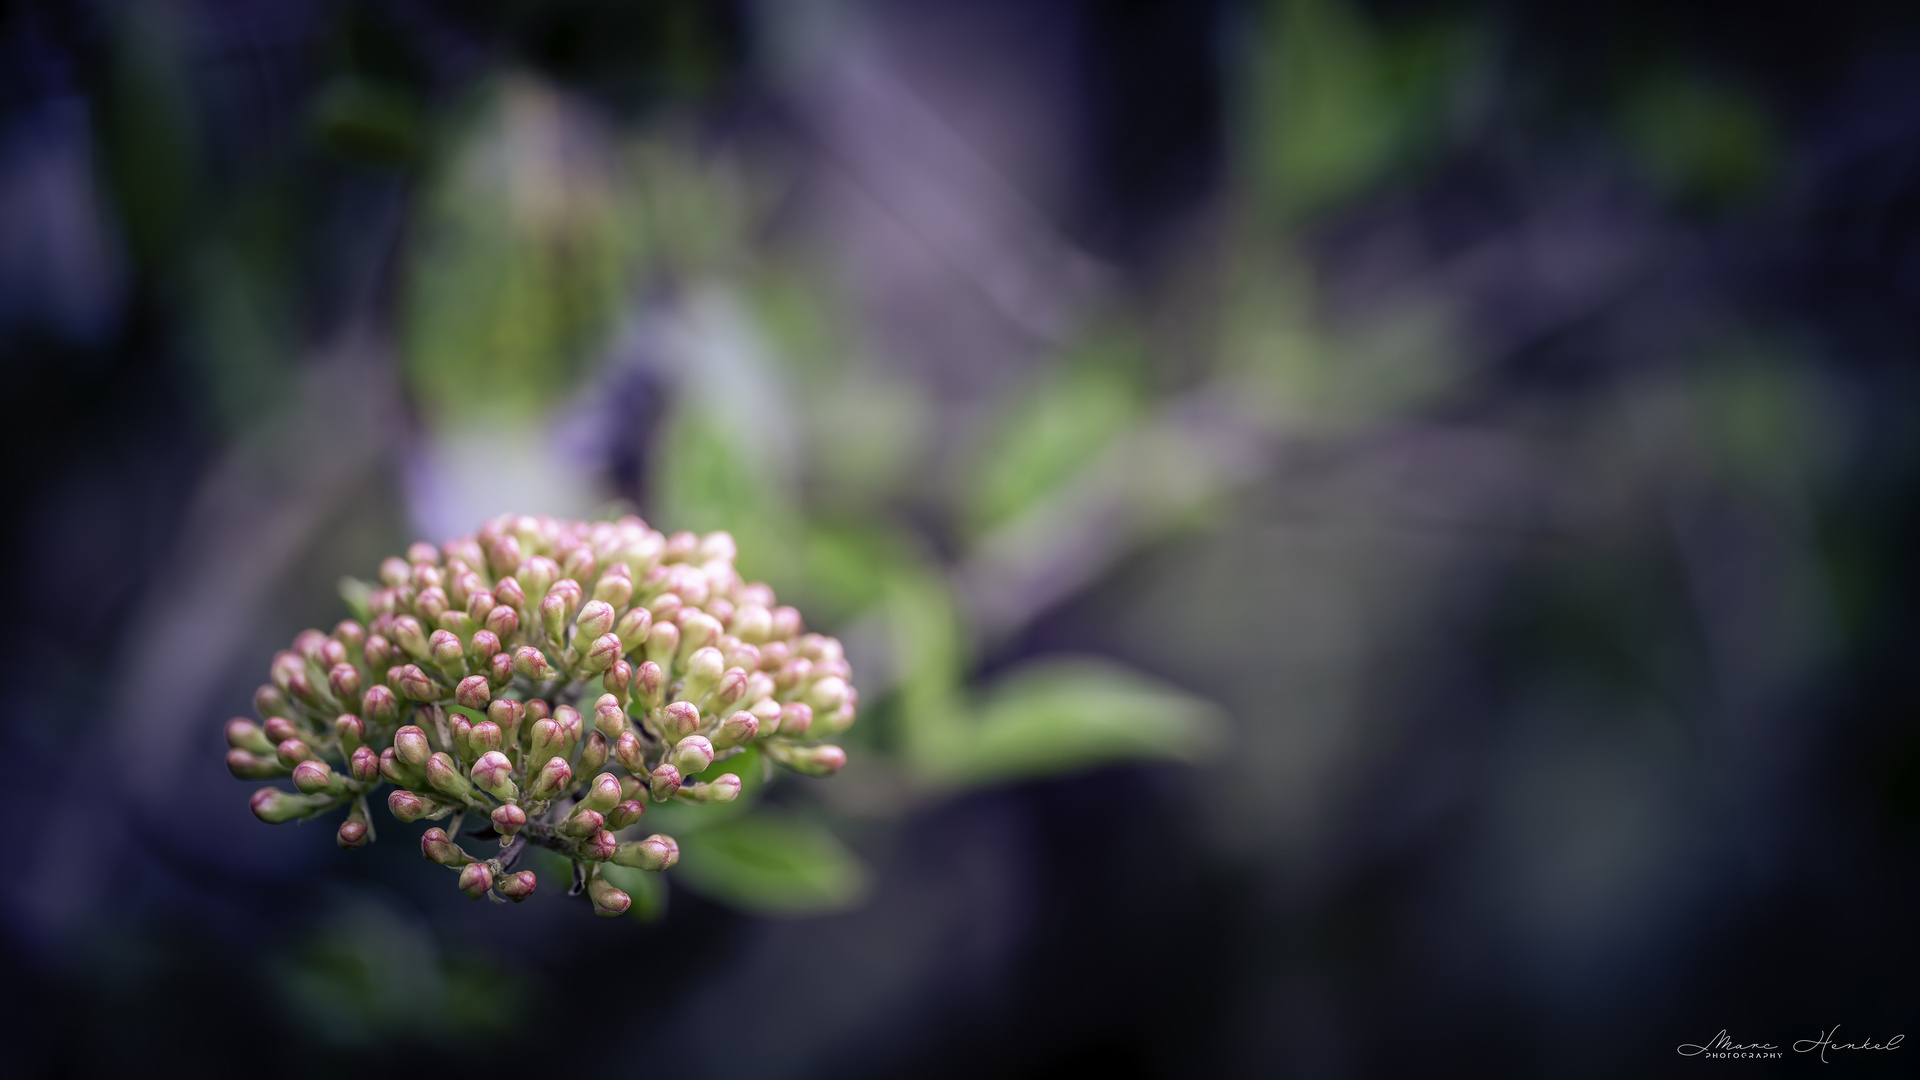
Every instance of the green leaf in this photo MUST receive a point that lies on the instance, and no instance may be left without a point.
(357, 593)
(773, 865)
(1062, 715)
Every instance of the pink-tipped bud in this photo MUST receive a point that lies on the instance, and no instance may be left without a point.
(531, 663)
(364, 765)
(380, 705)
(553, 778)
(473, 692)
(444, 776)
(411, 746)
(247, 765)
(344, 681)
(736, 730)
(482, 647)
(796, 717)
(601, 654)
(814, 760)
(244, 734)
(704, 668)
(615, 587)
(545, 739)
(619, 681)
(447, 652)
(752, 624)
(680, 720)
(459, 727)
(420, 553)
(280, 729)
(409, 807)
(274, 806)
(351, 834)
(583, 822)
(486, 735)
(502, 621)
(633, 628)
(476, 879)
(394, 571)
(657, 852)
(608, 900)
(609, 717)
(599, 847)
(571, 725)
(596, 619)
(553, 616)
(399, 773)
(628, 751)
(536, 575)
(793, 673)
(432, 603)
(519, 886)
(500, 670)
(663, 782)
(507, 713)
(692, 755)
(663, 643)
(350, 634)
(724, 788)
(411, 637)
(380, 653)
(740, 654)
(494, 774)
(698, 631)
(410, 682)
(603, 794)
(825, 695)
(503, 555)
(649, 683)
(349, 732)
(436, 847)
(594, 752)
(625, 813)
(508, 820)
(292, 752)
(269, 701)
(732, 687)
(507, 591)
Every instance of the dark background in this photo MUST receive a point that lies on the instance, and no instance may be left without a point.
(1543, 530)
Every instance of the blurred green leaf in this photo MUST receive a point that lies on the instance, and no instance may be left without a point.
(358, 595)
(1703, 141)
(1057, 716)
(773, 865)
(1052, 431)
(368, 119)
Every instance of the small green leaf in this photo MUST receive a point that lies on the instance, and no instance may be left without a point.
(357, 593)
(770, 865)
(1062, 715)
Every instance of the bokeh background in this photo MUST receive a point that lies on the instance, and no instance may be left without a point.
(1377, 538)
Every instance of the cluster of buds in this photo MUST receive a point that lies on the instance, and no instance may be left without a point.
(491, 681)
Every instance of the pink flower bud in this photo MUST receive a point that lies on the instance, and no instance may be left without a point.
(473, 692)
(483, 646)
(601, 654)
(476, 880)
(447, 652)
(503, 555)
(737, 730)
(364, 765)
(657, 852)
(814, 760)
(410, 682)
(244, 734)
(500, 670)
(350, 634)
(507, 713)
(608, 900)
(507, 591)
(553, 778)
(732, 687)
(519, 886)
(432, 603)
(380, 705)
(293, 751)
(724, 788)
(663, 643)
(615, 587)
(409, 807)
(619, 681)
(420, 553)
(649, 683)
(411, 637)
(247, 765)
(752, 624)
(537, 575)
(583, 822)
(349, 732)
(269, 701)
(531, 663)
(411, 746)
(593, 753)
(494, 774)
(609, 717)
(692, 755)
(503, 621)
(599, 847)
(444, 776)
(436, 847)
(603, 794)
(274, 806)
(680, 720)
(663, 782)
(796, 717)
(596, 619)
(352, 834)
(486, 735)
(380, 654)
(280, 729)
(625, 813)
(627, 750)
(307, 644)
(508, 820)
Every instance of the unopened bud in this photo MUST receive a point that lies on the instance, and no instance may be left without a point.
(444, 776)
(767, 711)
(704, 669)
(812, 760)
(364, 765)
(436, 847)
(494, 774)
(399, 773)
(411, 746)
(553, 617)
(615, 587)
(448, 654)
(531, 663)
(601, 654)
(500, 670)
(692, 755)
(736, 730)
(380, 705)
(479, 604)
(608, 900)
(409, 807)
(657, 852)
(315, 777)
(508, 820)
(649, 683)
(724, 788)
(518, 887)
(697, 631)
(625, 813)
(739, 654)
(483, 645)
(411, 637)
(473, 692)
(609, 717)
(274, 806)
(633, 628)
(507, 713)
(553, 778)
(292, 752)
(394, 571)
(572, 728)
(583, 822)
(503, 555)
(793, 673)
(244, 734)
(663, 643)
(476, 879)
(537, 575)
(680, 720)
(732, 687)
(502, 621)
(350, 634)
(269, 701)
(546, 739)
(410, 682)
(596, 619)
(351, 834)
(663, 782)
(432, 603)
(752, 624)
(380, 653)
(485, 735)
(595, 751)
(619, 681)
(604, 793)
(507, 591)
(825, 695)
(629, 752)
(349, 732)
(796, 717)
(248, 765)
(420, 553)
(344, 681)
(599, 847)
(279, 729)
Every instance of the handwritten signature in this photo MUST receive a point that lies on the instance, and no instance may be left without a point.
(1724, 1045)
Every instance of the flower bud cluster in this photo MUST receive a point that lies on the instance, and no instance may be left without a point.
(555, 677)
